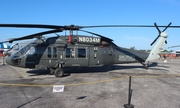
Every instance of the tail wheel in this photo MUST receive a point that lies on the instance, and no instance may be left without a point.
(59, 72)
(146, 65)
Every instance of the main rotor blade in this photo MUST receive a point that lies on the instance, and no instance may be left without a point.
(103, 37)
(126, 26)
(32, 36)
(73, 27)
(31, 26)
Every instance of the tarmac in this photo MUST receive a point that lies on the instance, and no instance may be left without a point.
(102, 87)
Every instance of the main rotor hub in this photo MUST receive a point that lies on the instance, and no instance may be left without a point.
(71, 27)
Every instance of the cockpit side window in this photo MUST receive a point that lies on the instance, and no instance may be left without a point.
(31, 51)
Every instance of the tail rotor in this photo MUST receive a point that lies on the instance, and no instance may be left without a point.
(159, 31)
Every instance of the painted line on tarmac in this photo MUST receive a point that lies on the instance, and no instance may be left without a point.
(78, 84)
(93, 82)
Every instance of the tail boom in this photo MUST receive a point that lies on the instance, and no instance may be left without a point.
(154, 54)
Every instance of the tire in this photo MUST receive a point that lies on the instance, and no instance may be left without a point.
(59, 72)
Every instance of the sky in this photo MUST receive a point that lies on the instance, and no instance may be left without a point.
(95, 12)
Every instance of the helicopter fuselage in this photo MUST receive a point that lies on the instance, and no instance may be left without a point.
(83, 51)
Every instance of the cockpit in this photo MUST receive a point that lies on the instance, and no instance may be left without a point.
(29, 49)
(13, 49)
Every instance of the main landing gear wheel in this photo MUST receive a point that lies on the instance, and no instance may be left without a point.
(59, 72)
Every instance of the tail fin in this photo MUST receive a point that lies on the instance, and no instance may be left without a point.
(154, 54)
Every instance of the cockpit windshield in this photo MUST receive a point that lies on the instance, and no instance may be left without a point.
(30, 50)
(15, 47)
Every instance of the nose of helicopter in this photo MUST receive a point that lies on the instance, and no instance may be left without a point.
(15, 61)
(8, 60)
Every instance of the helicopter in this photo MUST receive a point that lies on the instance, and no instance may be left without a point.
(74, 50)
(4, 48)
(174, 46)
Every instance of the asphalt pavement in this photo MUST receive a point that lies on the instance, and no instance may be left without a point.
(102, 87)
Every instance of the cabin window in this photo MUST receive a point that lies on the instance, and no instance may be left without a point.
(49, 52)
(54, 52)
(70, 52)
(81, 53)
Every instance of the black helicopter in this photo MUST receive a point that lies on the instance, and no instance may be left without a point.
(73, 50)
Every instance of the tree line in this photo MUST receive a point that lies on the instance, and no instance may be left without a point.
(144, 50)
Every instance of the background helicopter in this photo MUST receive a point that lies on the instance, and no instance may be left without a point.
(73, 50)
(4, 47)
(174, 46)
